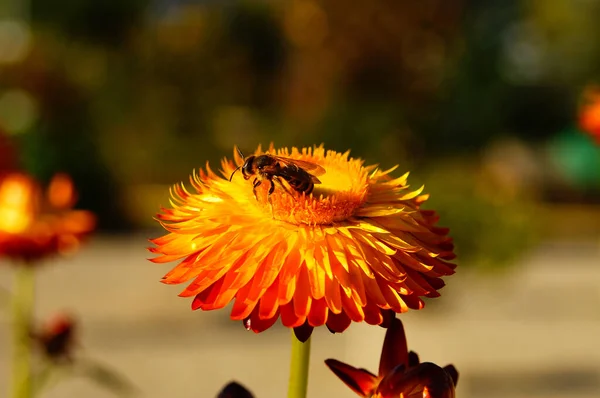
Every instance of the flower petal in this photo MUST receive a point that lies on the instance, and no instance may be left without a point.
(426, 377)
(360, 381)
(395, 350)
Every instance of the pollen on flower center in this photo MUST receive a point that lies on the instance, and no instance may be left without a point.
(343, 189)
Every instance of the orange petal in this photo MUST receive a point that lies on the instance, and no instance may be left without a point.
(332, 296)
(268, 304)
(353, 309)
(289, 317)
(302, 298)
(242, 308)
(318, 313)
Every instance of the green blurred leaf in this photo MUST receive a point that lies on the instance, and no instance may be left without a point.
(106, 377)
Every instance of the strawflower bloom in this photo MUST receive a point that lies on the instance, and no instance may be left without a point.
(358, 246)
(589, 113)
(400, 373)
(34, 226)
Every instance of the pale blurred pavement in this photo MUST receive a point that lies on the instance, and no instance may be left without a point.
(531, 332)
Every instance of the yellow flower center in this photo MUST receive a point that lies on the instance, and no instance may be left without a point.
(343, 189)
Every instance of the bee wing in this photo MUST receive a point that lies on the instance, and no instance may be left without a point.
(311, 168)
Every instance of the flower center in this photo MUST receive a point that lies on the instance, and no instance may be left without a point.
(341, 191)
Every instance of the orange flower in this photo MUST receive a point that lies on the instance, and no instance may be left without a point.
(589, 114)
(400, 373)
(356, 247)
(33, 226)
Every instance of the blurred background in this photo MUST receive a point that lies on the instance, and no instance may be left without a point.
(481, 100)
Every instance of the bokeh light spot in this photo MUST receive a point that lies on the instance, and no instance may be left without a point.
(15, 41)
(18, 111)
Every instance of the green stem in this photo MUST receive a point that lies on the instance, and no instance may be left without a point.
(22, 312)
(299, 368)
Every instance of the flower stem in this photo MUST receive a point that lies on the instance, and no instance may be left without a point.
(299, 368)
(22, 311)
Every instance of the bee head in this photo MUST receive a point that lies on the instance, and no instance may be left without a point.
(247, 166)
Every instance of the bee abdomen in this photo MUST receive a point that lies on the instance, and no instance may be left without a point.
(301, 185)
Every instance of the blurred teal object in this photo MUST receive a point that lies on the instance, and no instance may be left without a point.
(577, 157)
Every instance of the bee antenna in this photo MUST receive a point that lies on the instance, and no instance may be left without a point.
(237, 168)
(240, 152)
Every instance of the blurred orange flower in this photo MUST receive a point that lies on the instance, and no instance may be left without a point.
(589, 113)
(400, 373)
(356, 247)
(34, 226)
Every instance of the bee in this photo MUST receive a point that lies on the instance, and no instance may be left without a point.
(300, 175)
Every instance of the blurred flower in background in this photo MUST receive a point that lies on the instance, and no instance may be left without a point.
(400, 375)
(57, 338)
(358, 246)
(589, 113)
(34, 225)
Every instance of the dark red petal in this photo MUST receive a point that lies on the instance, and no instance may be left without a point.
(373, 314)
(413, 302)
(439, 383)
(235, 390)
(361, 381)
(413, 359)
(303, 332)
(436, 283)
(337, 323)
(247, 324)
(388, 317)
(257, 325)
(395, 350)
(451, 370)
(207, 296)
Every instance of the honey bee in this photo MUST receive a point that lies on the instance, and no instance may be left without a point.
(300, 175)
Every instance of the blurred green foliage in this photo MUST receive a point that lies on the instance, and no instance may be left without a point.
(126, 94)
(491, 224)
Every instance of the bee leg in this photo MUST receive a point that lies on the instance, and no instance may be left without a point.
(283, 186)
(255, 185)
(271, 189)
